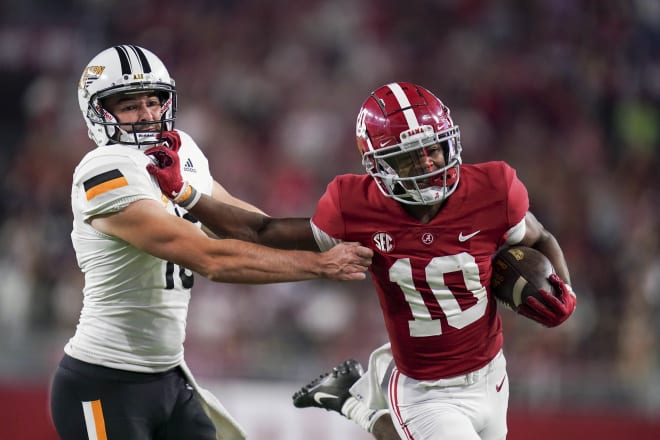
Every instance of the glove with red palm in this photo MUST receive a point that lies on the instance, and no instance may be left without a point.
(550, 310)
(171, 139)
(166, 169)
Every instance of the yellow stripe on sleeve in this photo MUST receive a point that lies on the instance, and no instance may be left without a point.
(105, 187)
(104, 182)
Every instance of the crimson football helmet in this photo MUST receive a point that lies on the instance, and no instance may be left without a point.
(409, 144)
(125, 69)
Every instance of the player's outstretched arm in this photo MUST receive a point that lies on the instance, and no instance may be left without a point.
(227, 220)
(146, 225)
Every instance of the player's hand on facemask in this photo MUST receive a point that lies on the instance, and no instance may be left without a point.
(171, 139)
(166, 168)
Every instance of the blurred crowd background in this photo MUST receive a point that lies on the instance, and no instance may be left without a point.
(566, 91)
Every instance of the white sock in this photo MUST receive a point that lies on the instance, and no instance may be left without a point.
(358, 412)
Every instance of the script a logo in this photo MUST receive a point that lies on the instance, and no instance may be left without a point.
(383, 241)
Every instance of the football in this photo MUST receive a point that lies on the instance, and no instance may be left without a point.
(519, 272)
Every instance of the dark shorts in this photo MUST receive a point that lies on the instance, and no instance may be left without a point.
(122, 405)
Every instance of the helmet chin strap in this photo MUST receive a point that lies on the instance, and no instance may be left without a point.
(425, 196)
(138, 139)
(429, 196)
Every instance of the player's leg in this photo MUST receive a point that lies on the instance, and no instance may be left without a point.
(468, 407)
(383, 428)
(67, 410)
(110, 403)
(425, 411)
(496, 401)
(89, 401)
(330, 390)
(187, 419)
(359, 395)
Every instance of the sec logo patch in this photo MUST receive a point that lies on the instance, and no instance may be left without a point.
(383, 241)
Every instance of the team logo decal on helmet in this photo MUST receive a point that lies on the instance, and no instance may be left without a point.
(91, 74)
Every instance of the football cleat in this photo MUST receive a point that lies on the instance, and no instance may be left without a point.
(330, 390)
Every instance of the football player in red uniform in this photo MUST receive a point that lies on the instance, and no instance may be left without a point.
(434, 225)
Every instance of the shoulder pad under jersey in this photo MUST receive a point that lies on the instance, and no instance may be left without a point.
(111, 177)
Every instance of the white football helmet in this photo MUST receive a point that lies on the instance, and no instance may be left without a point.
(403, 123)
(124, 69)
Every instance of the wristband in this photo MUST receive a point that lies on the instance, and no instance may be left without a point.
(188, 197)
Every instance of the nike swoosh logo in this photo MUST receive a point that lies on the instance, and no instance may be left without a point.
(463, 238)
(498, 388)
(385, 143)
(321, 395)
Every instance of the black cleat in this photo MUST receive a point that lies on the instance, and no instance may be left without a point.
(330, 390)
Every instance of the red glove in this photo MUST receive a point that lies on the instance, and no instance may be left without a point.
(166, 170)
(172, 139)
(552, 310)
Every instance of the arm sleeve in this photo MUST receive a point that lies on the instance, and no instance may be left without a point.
(327, 222)
(517, 206)
(109, 182)
(323, 240)
(516, 233)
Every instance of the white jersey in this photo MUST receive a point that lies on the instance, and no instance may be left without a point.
(134, 304)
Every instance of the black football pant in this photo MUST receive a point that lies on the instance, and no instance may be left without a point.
(92, 402)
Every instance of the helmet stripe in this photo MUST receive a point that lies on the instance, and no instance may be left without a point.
(124, 60)
(146, 67)
(405, 105)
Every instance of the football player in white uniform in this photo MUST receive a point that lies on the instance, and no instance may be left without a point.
(123, 374)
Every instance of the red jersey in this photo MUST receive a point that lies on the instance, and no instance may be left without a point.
(432, 280)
